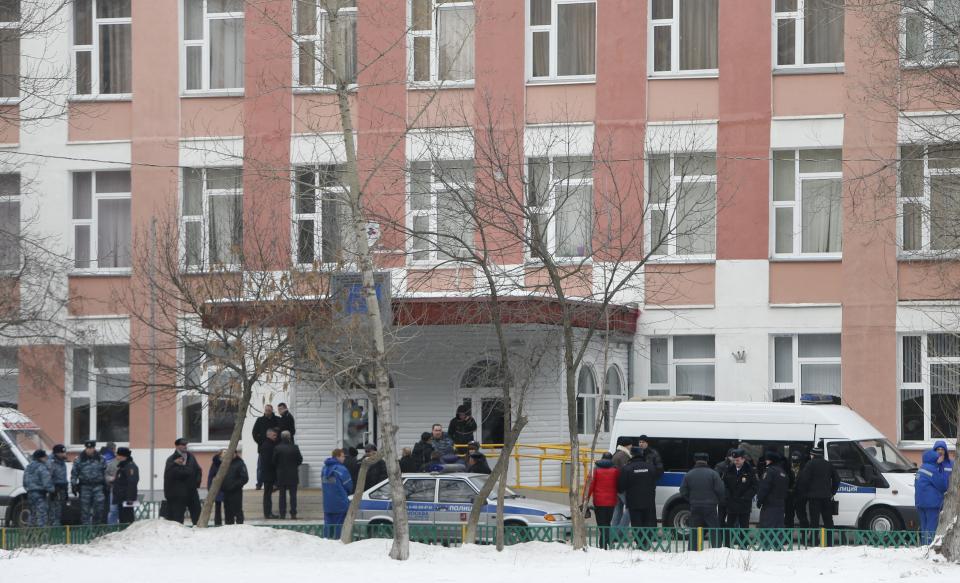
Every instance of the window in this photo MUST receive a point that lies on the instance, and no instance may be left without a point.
(314, 40)
(809, 32)
(560, 206)
(929, 32)
(212, 216)
(213, 44)
(102, 50)
(99, 400)
(456, 492)
(9, 377)
(441, 40)
(807, 196)
(929, 386)
(683, 36)
(806, 364)
(208, 406)
(322, 227)
(416, 490)
(101, 219)
(441, 203)
(682, 365)
(612, 397)
(683, 201)
(929, 198)
(562, 39)
(10, 259)
(10, 48)
(586, 401)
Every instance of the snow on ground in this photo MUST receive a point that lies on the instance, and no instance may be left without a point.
(157, 551)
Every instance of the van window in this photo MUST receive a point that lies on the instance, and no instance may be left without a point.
(850, 462)
(677, 452)
(8, 459)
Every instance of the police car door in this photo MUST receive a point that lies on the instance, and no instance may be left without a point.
(857, 482)
(455, 498)
(421, 500)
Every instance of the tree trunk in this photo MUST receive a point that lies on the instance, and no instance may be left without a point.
(947, 540)
(499, 469)
(214, 489)
(346, 535)
(501, 494)
(579, 539)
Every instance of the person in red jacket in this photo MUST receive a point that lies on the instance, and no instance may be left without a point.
(603, 491)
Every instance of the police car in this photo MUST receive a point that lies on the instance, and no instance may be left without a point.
(444, 499)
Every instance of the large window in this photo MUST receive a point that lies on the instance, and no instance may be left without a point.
(213, 44)
(9, 377)
(99, 398)
(807, 197)
(101, 219)
(441, 40)
(809, 32)
(683, 204)
(441, 206)
(314, 39)
(929, 32)
(322, 227)
(806, 364)
(562, 39)
(683, 366)
(102, 47)
(560, 206)
(929, 198)
(10, 48)
(683, 36)
(212, 216)
(209, 402)
(9, 222)
(614, 394)
(929, 386)
(587, 398)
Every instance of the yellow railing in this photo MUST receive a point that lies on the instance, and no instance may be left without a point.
(545, 456)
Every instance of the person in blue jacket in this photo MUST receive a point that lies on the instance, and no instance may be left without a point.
(337, 485)
(944, 463)
(931, 485)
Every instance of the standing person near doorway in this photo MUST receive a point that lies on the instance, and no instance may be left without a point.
(124, 486)
(181, 483)
(817, 484)
(232, 488)
(268, 472)
(287, 459)
(266, 421)
(285, 421)
(462, 427)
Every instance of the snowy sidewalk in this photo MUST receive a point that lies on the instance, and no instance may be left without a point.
(157, 551)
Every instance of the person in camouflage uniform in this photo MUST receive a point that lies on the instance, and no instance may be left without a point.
(88, 478)
(37, 483)
(58, 473)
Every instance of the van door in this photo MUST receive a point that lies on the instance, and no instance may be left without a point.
(857, 480)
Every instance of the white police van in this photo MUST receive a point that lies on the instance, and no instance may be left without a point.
(876, 492)
(19, 438)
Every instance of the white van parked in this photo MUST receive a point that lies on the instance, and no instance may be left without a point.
(876, 492)
(19, 438)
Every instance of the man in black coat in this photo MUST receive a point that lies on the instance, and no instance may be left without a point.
(181, 483)
(650, 454)
(232, 488)
(772, 492)
(285, 421)
(721, 469)
(817, 484)
(740, 481)
(462, 426)
(287, 460)
(268, 472)
(423, 449)
(124, 487)
(266, 421)
(378, 471)
(638, 482)
(795, 509)
(352, 464)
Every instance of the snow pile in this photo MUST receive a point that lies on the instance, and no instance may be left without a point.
(161, 552)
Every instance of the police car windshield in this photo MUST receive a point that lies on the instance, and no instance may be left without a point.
(30, 440)
(479, 481)
(887, 458)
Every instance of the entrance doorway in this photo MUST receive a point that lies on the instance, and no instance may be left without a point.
(481, 390)
(358, 422)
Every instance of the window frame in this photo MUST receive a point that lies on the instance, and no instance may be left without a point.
(93, 223)
(550, 209)
(14, 25)
(925, 385)
(798, 18)
(91, 390)
(321, 193)
(204, 219)
(674, 24)
(18, 199)
(928, 39)
(797, 363)
(319, 42)
(204, 44)
(925, 201)
(669, 209)
(434, 35)
(204, 395)
(437, 186)
(553, 77)
(797, 205)
(94, 50)
(669, 389)
(12, 373)
(589, 423)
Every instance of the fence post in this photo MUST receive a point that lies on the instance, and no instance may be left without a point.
(68, 533)
(463, 533)
(3, 539)
(699, 538)
(823, 538)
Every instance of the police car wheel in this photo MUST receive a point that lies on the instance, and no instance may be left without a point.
(882, 520)
(21, 513)
(678, 517)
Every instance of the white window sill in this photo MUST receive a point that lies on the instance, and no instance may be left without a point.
(905, 64)
(808, 69)
(212, 93)
(320, 89)
(813, 257)
(531, 262)
(207, 446)
(10, 100)
(945, 255)
(707, 74)
(120, 271)
(101, 98)
(435, 85)
(681, 259)
(579, 80)
(437, 264)
(922, 445)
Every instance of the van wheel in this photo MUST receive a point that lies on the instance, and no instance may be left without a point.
(882, 520)
(20, 513)
(678, 517)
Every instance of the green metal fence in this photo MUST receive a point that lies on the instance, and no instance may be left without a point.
(12, 539)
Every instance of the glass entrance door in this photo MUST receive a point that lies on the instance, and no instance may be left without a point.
(489, 417)
(359, 423)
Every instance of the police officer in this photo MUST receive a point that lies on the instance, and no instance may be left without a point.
(772, 492)
(740, 480)
(795, 510)
(817, 484)
(88, 479)
(124, 487)
(638, 482)
(58, 474)
(37, 483)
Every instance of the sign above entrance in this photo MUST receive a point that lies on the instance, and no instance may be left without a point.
(346, 290)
